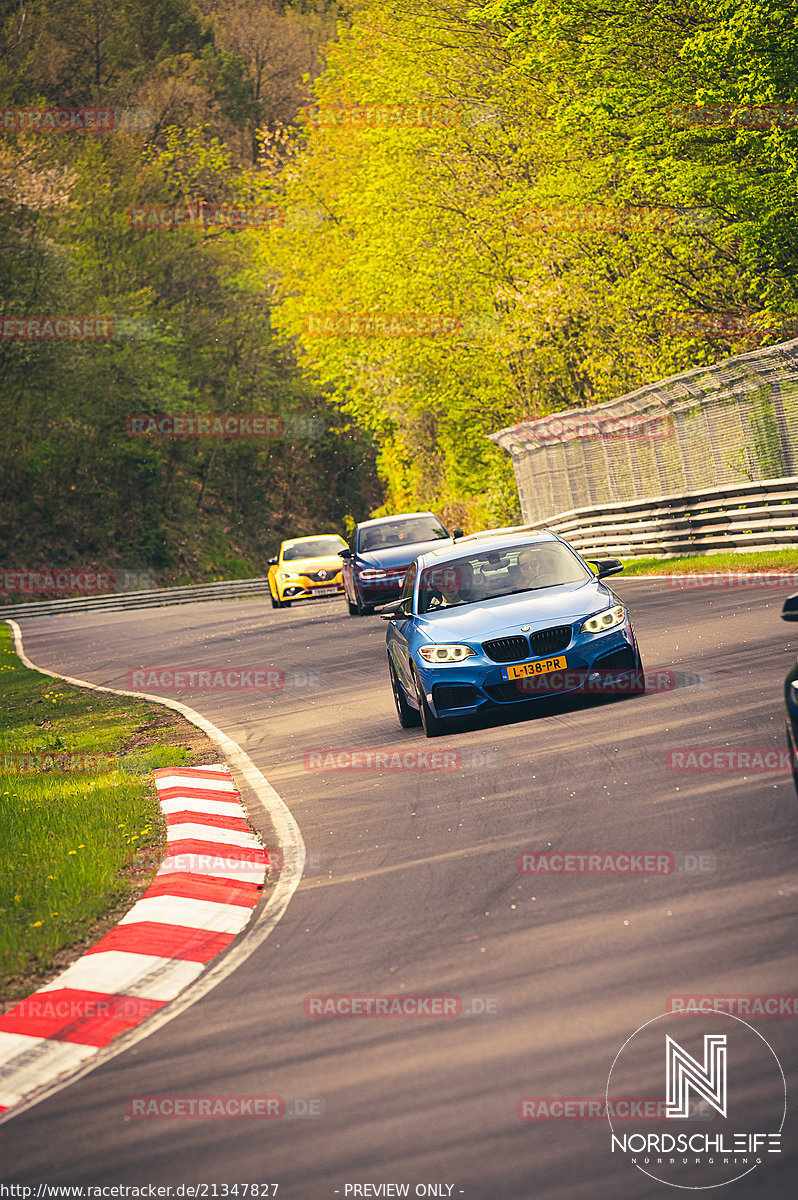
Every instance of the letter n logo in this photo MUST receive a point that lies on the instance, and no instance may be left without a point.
(707, 1080)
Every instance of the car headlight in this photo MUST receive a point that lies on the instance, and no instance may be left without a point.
(289, 578)
(445, 654)
(604, 620)
(370, 574)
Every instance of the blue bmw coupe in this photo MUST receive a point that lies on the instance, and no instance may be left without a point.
(502, 619)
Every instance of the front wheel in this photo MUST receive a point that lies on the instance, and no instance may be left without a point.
(432, 725)
(408, 716)
(362, 610)
(638, 687)
(795, 766)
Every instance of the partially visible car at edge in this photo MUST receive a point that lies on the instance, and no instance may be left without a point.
(305, 568)
(503, 620)
(382, 549)
(790, 613)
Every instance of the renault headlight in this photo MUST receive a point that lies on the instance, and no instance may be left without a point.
(445, 654)
(290, 578)
(604, 620)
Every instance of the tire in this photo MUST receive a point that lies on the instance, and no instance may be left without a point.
(639, 688)
(354, 611)
(433, 726)
(790, 746)
(409, 718)
(275, 603)
(363, 610)
(636, 680)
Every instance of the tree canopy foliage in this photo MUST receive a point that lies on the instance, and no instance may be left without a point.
(561, 200)
(193, 82)
(485, 212)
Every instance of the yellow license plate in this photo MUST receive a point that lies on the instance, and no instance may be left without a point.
(542, 667)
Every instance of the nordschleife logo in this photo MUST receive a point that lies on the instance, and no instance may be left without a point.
(719, 1094)
(707, 1080)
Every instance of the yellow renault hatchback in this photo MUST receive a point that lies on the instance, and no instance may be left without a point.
(306, 567)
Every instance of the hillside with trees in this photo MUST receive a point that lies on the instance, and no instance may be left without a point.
(541, 193)
(193, 326)
(573, 181)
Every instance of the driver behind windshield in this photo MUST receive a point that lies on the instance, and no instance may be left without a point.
(449, 585)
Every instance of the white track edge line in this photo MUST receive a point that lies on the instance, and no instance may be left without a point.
(289, 840)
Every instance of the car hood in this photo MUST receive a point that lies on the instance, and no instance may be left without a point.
(399, 556)
(300, 566)
(501, 617)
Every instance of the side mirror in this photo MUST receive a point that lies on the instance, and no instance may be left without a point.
(790, 610)
(457, 533)
(607, 566)
(272, 562)
(347, 553)
(397, 610)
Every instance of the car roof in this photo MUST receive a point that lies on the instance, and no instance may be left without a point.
(396, 517)
(481, 543)
(312, 537)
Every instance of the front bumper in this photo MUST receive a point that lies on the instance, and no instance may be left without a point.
(791, 698)
(304, 591)
(601, 664)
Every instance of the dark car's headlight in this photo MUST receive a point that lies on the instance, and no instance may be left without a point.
(604, 620)
(370, 574)
(445, 654)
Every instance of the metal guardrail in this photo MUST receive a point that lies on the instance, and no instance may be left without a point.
(155, 598)
(718, 426)
(752, 516)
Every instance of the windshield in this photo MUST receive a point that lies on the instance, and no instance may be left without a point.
(492, 573)
(400, 533)
(319, 547)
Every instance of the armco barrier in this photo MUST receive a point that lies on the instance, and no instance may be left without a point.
(719, 429)
(762, 516)
(118, 601)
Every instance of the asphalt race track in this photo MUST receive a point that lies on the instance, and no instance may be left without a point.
(412, 888)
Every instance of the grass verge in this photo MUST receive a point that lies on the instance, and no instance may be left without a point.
(712, 564)
(77, 847)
